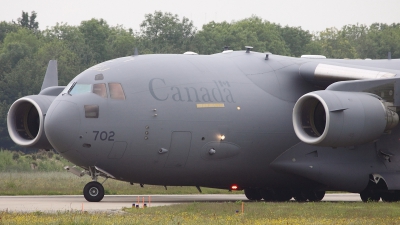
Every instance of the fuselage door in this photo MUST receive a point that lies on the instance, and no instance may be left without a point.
(179, 149)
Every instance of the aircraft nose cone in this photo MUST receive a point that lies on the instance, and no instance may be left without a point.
(62, 125)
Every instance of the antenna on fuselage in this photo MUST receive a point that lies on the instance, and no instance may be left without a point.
(248, 48)
(226, 49)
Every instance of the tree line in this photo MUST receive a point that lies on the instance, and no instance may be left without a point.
(25, 50)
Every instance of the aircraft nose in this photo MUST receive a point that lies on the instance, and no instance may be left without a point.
(62, 125)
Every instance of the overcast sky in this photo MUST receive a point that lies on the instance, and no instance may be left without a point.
(312, 15)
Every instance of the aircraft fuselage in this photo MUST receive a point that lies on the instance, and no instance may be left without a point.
(213, 121)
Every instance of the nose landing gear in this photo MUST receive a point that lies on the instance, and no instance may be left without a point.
(94, 191)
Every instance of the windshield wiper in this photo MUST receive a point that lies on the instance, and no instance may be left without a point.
(72, 87)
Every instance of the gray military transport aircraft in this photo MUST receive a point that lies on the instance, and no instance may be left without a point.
(276, 127)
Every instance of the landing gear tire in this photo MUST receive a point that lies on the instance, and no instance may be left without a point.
(283, 196)
(93, 191)
(315, 196)
(390, 197)
(252, 194)
(267, 195)
(370, 196)
(299, 197)
(276, 196)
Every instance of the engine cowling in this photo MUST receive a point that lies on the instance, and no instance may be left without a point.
(25, 121)
(340, 119)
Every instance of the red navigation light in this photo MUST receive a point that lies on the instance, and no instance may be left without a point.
(234, 187)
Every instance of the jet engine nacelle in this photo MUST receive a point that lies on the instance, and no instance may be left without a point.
(25, 121)
(340, 119)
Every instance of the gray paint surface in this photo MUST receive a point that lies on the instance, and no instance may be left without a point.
(186, 103)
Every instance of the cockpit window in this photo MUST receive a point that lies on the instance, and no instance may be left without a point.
(116, 91)
(80, 89)
(100, 89)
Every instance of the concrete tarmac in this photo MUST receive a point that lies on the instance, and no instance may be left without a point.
(114, 203)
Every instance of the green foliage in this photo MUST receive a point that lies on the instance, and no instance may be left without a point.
(262, 35)
(25, 51)
(335, 44)
(383, 38)
(121, 42)
(359, 41)
(5, 28)
(74, 40)
(40, 161)
(166, 33)
(296, 39)
(15, 47)
(15, 156)
(95, 33)
(29, 22)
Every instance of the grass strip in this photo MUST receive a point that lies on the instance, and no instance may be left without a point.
(226, 213)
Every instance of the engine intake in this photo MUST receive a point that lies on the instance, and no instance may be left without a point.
(25, 121)
(340, 119)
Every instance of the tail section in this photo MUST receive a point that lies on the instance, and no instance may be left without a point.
(51, 76)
